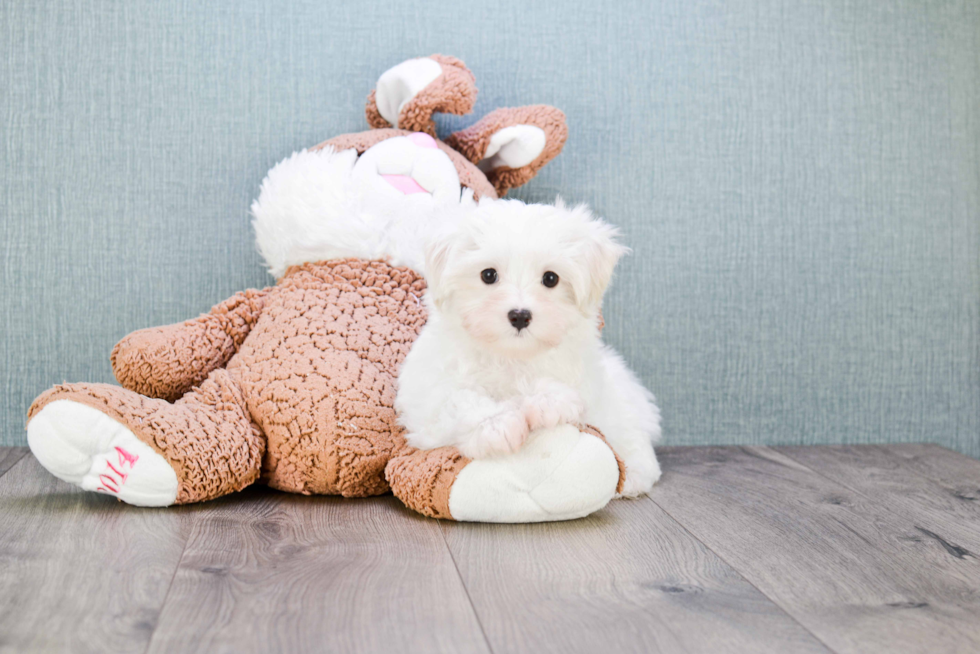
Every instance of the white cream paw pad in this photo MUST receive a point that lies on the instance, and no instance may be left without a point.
(559, 474)
(85, 447)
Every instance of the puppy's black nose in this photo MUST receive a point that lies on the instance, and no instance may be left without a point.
(519, 318)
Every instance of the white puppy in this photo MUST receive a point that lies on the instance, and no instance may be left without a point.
(512, 342)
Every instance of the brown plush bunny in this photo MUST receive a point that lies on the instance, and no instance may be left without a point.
(294, 384)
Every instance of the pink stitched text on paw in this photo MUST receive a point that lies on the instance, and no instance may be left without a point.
(111, 484)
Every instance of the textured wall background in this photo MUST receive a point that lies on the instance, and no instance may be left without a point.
(799, 179)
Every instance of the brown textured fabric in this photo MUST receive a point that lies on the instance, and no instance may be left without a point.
(318, 373)
(374, 117)
(166, 362)
(206, 436)
(453, 92)
(469, 175)
(361, 141)
(423, 479)
(473, 141)
(308, 397)
(589, 429)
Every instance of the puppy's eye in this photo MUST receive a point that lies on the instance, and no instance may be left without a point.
(550, 279)
(489, 276)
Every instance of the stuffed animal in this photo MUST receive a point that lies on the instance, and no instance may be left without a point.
(293, 385)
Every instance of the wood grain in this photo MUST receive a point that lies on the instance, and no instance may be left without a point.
(9, 456)
(958, 474)
(858, 577)
(832, 549)
(273, 572)
(627, 579)
(80, 571)
(950, 513)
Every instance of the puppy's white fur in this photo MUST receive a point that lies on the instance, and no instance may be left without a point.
(474, 381)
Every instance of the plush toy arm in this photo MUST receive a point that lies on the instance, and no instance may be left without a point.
(166, 362)
(408, 94)
(561, 473)
(423, 479)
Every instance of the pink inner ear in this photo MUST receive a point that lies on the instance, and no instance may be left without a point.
(422, 140)
(404, 183)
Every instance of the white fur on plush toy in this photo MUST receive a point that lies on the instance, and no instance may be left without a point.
(320, 205)
(481, 378)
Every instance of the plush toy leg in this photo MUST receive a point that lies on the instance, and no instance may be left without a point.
(145, 451)
(561, 473)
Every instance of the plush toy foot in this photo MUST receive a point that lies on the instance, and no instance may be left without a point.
(560, 473)
(85, 447)
(144, 450)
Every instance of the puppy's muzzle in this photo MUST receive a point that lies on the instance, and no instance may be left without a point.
(519, 318)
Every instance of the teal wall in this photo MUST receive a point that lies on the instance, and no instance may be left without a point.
(799, 180)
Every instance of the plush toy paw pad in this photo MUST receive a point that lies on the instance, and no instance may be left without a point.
(559, 474)
(87, 448)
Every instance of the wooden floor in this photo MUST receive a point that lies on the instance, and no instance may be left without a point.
(751, 549)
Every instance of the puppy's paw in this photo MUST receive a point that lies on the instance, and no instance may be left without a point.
(552, 404)
(504, 433)
(642, 472)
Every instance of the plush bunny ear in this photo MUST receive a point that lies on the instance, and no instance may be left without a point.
(408, 94)
(512, 145)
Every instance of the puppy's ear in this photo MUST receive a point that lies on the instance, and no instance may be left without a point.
(438, 252)
(600, 251)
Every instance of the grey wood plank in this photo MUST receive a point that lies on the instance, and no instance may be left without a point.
(9, 456)
(951, 515)
(957, 473)
(80, 571)
(860, 578)
(276, 572)
(626, 579)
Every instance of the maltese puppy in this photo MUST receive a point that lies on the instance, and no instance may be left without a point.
(512, 342)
